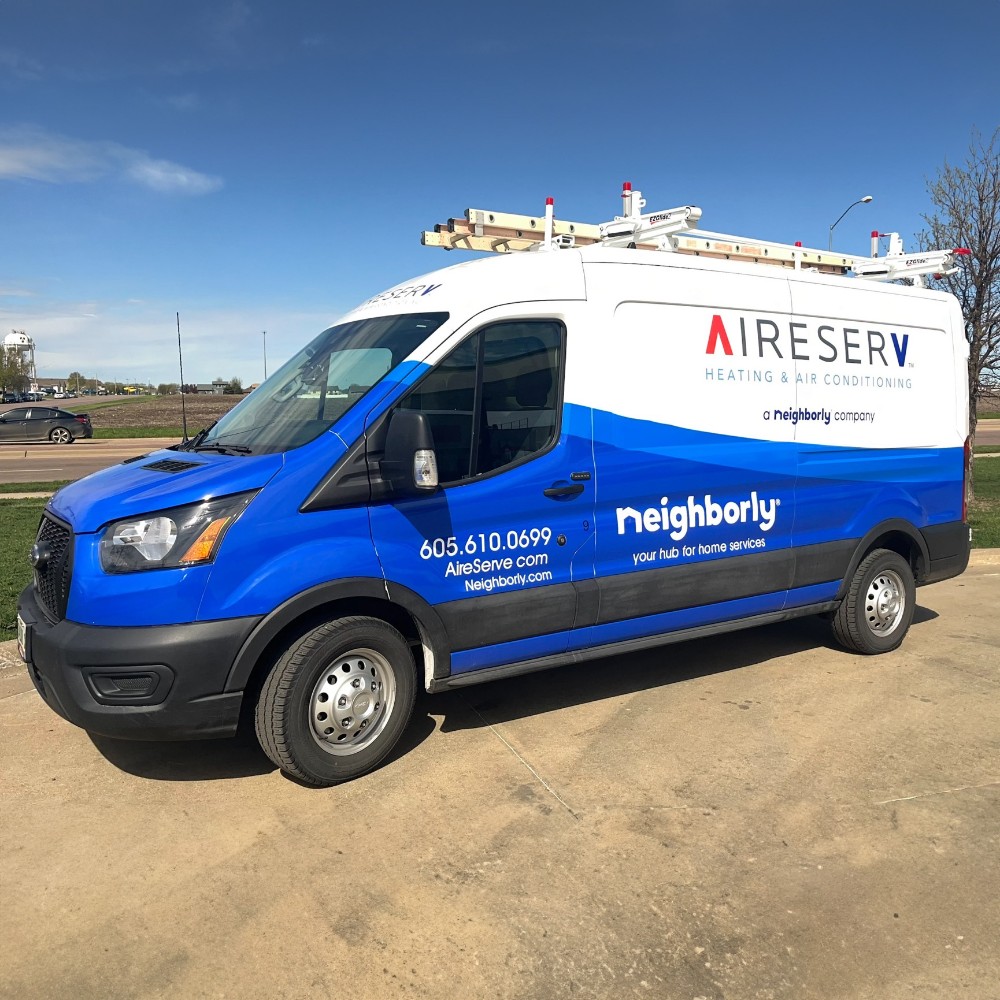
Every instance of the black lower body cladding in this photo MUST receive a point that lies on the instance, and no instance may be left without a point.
(152, 683)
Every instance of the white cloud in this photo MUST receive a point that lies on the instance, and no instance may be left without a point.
(171, 178)
(19, 66)
(189, 101)
(226, 26)
(31, 153)
(138, 341)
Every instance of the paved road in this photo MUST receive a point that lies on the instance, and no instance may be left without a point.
(44, 462)
(753, 816)
(988, 432)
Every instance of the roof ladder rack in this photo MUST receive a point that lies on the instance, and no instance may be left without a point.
(897, 264)
(673, 231)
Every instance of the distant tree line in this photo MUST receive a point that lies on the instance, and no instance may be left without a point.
(232, 387)
(13, 370)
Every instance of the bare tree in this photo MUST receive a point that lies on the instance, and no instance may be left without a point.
(966, 213)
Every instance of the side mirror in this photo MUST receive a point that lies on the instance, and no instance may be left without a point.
(409, 464)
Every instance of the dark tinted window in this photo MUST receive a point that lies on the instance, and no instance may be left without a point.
(19, 414)
(494, 400)
(520, 392)
(448, 395)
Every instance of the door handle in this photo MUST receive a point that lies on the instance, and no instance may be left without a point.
(560, 490)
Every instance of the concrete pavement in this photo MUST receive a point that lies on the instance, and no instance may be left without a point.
(759, 815)
(988, 432)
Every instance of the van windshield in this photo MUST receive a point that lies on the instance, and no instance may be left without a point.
(319, 385)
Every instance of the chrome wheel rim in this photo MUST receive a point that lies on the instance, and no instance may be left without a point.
(885, 602)
(351, 702)
(60, 436)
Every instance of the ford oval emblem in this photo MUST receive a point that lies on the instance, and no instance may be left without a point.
(41, 553)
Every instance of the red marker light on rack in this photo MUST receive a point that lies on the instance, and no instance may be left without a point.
(549, 220)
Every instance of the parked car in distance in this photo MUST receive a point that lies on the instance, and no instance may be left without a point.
(12, 397)
(33, 397)
(43, 423)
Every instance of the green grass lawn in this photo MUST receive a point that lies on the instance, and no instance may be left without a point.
(984, 512)
(140, 432)
(90, 403)
(33, 487)
(20, 523)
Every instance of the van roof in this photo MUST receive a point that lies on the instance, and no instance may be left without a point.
(472, 285)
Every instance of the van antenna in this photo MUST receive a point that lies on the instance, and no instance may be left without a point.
(180, 358)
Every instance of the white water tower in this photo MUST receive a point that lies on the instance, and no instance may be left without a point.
(19, 341)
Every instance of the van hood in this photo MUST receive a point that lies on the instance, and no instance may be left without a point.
(157, 481)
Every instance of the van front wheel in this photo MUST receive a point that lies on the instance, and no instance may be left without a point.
(337, 701)
(878, 607)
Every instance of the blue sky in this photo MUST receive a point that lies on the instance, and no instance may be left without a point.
(264, 166)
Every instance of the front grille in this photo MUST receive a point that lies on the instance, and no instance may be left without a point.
(53, 577)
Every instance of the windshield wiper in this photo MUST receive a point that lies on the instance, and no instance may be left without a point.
(225, 449)
(193, 442)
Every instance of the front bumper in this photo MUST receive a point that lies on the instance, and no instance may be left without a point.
(162, 682)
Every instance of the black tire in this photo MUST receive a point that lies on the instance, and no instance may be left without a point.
(335, 704)
(877, 610)
(60, 435)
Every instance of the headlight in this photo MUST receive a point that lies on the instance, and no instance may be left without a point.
(183, 536)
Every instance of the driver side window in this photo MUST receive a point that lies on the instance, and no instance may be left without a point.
(494, 401)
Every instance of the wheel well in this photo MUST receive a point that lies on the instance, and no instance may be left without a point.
(898, 537)
(904, 545)
(369, 607)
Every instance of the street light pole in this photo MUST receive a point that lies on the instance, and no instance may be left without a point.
(861, 201)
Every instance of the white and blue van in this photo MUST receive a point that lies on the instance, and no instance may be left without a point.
(511, 464)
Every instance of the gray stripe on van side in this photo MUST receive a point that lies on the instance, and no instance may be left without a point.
(523, 614)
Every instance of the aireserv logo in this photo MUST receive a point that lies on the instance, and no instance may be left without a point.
(677, 519)
(852, 345)
(400, 292)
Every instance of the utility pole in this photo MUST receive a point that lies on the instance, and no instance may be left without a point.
(265, 355)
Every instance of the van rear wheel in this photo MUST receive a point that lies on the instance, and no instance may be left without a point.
(877, 611)
(336, 703)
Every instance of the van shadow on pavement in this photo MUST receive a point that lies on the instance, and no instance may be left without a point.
(214, 760)
(186, 760)
(500, 701)
(595, 680)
